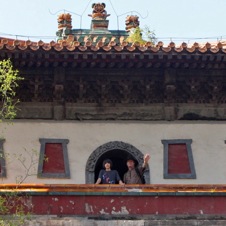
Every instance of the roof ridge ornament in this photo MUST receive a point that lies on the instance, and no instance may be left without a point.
(132, 21)
(99, 12)
(64, 24)
(99, 24)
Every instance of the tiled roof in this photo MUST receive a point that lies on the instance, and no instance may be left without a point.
(95, 44)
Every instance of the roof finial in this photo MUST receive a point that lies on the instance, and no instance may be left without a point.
(99, 12)
(64, 24)
(99, 23)
(132, 22)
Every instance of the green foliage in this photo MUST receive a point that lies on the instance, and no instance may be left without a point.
(136, 36)
(149, 35)
(13, 207)
(3, 208)
(9, 79)
(10, 201)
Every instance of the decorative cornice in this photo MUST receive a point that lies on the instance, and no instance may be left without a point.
(90, 44)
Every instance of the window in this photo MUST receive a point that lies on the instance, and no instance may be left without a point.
(178, 159)
(53, 159)
(2, 160)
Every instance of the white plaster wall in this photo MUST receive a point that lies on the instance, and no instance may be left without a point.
(208, 146)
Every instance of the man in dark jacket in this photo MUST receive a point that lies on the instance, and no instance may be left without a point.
(134, 174)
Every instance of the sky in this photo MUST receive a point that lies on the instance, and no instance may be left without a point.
(171, 20)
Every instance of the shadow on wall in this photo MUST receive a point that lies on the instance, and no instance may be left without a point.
(193, 116)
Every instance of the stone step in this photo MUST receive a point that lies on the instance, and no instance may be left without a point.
(160, 221)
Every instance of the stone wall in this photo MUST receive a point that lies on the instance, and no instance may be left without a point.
(208, 146)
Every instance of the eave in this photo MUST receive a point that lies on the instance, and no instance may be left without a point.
(109, 55)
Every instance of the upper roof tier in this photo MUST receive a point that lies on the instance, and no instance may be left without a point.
(103, 43)
(99, 39)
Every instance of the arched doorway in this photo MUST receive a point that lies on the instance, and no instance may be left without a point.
(117, 151)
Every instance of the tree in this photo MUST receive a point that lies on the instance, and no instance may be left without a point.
(9, 78)
(149, 35)
(141, 36)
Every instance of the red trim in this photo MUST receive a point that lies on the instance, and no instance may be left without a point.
(132, 205)
(132, 200)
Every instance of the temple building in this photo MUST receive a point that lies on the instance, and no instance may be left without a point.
(95, 94)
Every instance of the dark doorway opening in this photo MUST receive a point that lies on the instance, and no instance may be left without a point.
(117, 151)
(118, 157)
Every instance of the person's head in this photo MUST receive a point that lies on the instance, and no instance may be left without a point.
(131, 162)
(107, 164)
